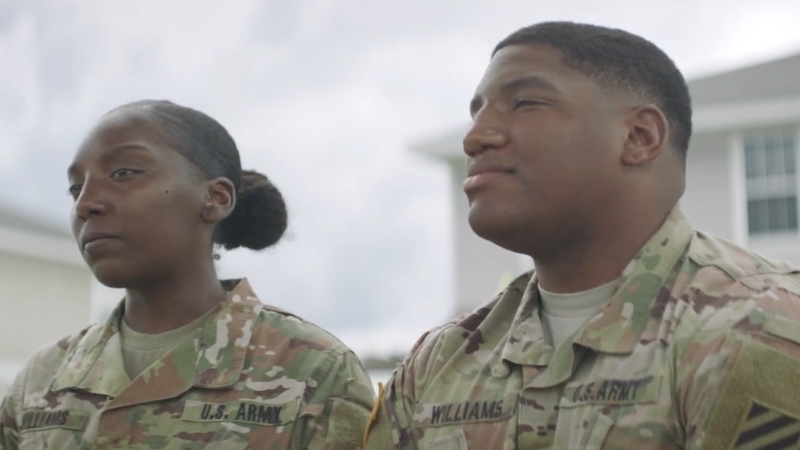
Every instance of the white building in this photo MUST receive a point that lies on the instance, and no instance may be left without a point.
(742, 175)
(46, 290)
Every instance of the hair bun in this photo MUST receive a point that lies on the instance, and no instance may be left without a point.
(259, 218)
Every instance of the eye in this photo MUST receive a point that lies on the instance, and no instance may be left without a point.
(522, 102)
(74, 190)
(123, 173)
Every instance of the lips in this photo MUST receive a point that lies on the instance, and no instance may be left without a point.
(94, 236)
(480, 174)
(479, 168)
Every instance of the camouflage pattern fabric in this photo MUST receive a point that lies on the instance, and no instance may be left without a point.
(698, 348)
(253, 377)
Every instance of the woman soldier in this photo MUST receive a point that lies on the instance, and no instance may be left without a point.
(186, 361)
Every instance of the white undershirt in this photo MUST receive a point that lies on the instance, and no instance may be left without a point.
(563, 314)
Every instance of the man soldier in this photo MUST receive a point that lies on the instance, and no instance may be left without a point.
(634, 331)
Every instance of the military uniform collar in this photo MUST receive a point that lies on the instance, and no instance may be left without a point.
(617, 327)
(213, 358)
(526, 344)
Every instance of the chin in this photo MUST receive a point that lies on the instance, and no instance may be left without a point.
(497, 224)
(111, 275)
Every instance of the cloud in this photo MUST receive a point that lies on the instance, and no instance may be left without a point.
(325, 97)
(20, 90)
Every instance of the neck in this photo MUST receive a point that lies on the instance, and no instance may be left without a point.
(600, 258)
(174, 301)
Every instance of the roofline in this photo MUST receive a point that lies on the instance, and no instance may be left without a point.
(40, 246)
(766, 61)
(20, 217)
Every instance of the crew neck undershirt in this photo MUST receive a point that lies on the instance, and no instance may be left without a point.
(563, 314)
(141, 350)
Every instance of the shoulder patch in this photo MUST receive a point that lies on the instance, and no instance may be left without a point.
(765, 428)
(346, 426)
(759, 407)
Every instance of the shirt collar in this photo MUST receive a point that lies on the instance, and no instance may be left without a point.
(212, 358)
(617, 327)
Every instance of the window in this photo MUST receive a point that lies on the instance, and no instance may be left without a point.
(770, 165)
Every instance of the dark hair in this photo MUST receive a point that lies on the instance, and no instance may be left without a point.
(259, 218)
(617, 59)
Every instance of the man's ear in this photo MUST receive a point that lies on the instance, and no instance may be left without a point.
(648, 134)
(220, 200)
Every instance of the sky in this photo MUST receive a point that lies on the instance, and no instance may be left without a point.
(325, 97)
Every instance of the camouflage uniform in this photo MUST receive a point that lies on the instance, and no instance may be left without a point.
(698, 348)
(252, 377)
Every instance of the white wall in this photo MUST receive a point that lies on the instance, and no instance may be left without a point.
(104, 300)
(482, 268)
(41, 302)
(708, 198)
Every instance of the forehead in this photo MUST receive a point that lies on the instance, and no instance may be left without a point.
(117, 127)
(122, 129)
(521, 60)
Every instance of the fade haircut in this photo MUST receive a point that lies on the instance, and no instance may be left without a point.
(616, 59)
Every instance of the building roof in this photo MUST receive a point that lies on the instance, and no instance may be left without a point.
(778, 78)
(30, 235)
(17, 218)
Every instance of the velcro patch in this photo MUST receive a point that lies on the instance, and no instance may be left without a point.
(244, 411)
(766, 428)
(759, 405)
(68, 419)
(612, 391)
(783, 328)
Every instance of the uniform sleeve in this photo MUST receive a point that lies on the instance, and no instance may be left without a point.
(392, 420)
(343, 399)
(390, 427)
(740, 389)
(9, 430)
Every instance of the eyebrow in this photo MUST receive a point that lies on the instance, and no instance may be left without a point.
(529, 82)
(111, 153)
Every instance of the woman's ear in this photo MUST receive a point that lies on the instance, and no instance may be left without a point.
(220, 200)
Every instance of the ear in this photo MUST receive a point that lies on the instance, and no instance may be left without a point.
(648, 133)
(220, 200)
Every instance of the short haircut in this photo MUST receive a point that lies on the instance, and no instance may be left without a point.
(619, 60)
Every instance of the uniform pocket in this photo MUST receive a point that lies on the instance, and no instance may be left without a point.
(584, 428)
(51, 439)
(581, 424)
(230, 438)
(454, 441)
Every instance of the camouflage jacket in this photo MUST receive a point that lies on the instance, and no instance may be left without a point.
(252, 377)
(698, 348)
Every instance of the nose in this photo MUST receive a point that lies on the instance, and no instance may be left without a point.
(90, 202)
(486, 133)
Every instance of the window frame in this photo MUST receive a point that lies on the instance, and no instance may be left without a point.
(770, 242)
